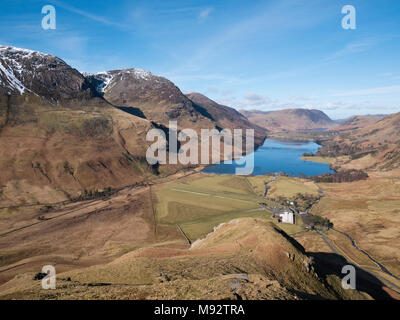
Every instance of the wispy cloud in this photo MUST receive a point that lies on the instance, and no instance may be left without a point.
(370, 91)
(205, 13)
(276, 17)
(91, 16)
(355, 47)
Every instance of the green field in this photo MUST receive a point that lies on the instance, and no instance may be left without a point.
(327, 160)
(198, 204)
(259, 183)
(288, 187)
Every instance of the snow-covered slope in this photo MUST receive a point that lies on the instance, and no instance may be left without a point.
(23, 70)
(157, 97)
(106, 80)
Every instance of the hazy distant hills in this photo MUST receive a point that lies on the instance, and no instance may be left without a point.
(357, 122)
(289, 119)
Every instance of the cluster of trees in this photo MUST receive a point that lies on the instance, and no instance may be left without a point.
(308, 154)
(335, 150)
(320, 222)
(342, 176)
(301, 201)
(94, 194)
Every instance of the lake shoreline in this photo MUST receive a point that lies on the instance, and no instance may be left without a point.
(276, 156)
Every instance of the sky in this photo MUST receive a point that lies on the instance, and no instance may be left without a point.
(264, 55)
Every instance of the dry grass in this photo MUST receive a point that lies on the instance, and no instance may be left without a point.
(327, 160)
(250, 254)
(369, 212)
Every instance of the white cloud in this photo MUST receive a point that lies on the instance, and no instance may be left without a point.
(254, 99)
(205, 13)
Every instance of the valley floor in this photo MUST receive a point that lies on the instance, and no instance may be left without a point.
(138, 241)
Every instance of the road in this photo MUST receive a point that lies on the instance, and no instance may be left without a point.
(381, 266)
(390, 284)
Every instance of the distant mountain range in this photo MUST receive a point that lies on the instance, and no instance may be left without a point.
(289, 119)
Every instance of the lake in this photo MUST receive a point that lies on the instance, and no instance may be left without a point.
(278, 156)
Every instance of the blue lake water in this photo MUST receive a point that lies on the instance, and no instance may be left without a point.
(278, 156)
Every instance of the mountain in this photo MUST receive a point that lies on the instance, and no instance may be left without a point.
(62, 132)
(155, 98)
(227, 117)
(357, 122)
(375, 146)
(58, 136)
(27, 71)
(158, 100)
(289, 119)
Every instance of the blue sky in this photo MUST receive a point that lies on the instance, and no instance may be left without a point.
(263, 55)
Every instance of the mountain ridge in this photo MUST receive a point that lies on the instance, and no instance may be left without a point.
(70, 132)
(287, 120)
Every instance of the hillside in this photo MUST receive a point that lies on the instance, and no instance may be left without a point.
(227, 117)
(357, 122)
(243, 259)
(154, 98)
(374, 147)
(289, 120)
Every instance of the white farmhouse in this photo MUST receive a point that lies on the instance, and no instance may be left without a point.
(287, 217)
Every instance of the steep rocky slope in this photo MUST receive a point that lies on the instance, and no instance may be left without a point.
(27, 71)
(289, 119)
(155, 98)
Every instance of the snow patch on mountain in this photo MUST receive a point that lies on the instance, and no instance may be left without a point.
(12, 70)
(10, 79)
(107, 78)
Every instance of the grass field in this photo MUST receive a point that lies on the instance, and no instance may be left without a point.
(327, 160)
(198, 204)
(259, 183)
(288, 187)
